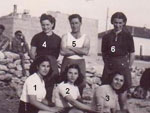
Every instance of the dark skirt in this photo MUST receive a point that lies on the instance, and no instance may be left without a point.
(27, 108)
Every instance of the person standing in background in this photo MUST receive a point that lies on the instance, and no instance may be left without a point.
(47, 43)
(118, 52)
(74, 46)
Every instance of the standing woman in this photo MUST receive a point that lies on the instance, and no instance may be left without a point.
(67, 92)
(105, 99)
(33, 95)
(118, 53)
(47, 43)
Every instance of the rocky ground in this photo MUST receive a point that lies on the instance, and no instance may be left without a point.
(10, 91)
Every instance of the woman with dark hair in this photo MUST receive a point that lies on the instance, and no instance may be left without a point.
(47, 43)
(67, 92)
(118, 53)
(33, 95)
(105, 98)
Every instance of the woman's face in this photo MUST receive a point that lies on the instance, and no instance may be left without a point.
(44, 68)
(47, 26)
(118, 24)
(72, 75)
(117, 81)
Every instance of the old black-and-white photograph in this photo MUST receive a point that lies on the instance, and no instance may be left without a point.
(74, 56)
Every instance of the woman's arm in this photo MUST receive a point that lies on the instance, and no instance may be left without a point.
(64, 50)
(99, 99)
(82, 50)
(41, 106)
(33, 52)
(78, 104)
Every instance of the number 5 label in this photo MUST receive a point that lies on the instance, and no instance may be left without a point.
(73, 43)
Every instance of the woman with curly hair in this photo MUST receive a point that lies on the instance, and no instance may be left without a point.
(67, 92)
(105, 98)
(33, 95)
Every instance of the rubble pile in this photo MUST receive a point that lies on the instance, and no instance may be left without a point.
(11, 70)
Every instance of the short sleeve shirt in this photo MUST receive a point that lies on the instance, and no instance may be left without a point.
(33, 86)
(46, 45)
(117, 45)
(64, 89)
(108, 97)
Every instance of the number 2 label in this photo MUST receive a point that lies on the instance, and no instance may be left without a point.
(67, 90)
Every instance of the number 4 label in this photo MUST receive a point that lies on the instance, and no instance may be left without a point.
(44, 44)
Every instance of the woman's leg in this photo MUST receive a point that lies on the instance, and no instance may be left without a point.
(41, 111)
(74, 110)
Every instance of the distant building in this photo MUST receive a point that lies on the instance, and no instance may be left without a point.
(141, 36)
(31, 25)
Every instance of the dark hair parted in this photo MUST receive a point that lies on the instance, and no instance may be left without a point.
(18, 31)
(48, 17)
(80, 77)
(36, 63)
(75, 16)
(119, 15)
(2, 27)
(110, 80)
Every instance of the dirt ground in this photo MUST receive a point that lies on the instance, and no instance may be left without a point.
(9, 101)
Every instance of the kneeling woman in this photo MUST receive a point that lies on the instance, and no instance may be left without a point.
(105, 98)
(67, 92)
(33, 95)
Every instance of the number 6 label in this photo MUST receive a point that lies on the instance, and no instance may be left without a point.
(113, 49)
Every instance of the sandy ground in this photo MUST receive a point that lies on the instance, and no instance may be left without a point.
(9, 101)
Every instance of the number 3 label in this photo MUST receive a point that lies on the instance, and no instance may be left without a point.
(44, 44)
(113, 49)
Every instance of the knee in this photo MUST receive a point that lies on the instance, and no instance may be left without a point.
(75, 111)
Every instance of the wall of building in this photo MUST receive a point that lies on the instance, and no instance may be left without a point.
(89, 27)
(31, 25)
(8, 23)
(144, 42)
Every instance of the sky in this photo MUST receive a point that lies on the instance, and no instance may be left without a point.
(135, 10)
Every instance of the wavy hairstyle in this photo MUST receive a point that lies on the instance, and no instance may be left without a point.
(36, 63)
(64, 74)
(110, 80)
(48, 17)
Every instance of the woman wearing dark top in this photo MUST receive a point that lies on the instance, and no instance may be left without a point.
(47, 43)
(118, 52)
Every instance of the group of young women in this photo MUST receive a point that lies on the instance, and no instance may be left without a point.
(68, 98)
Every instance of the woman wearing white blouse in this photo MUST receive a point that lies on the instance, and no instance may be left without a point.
(33, 95)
